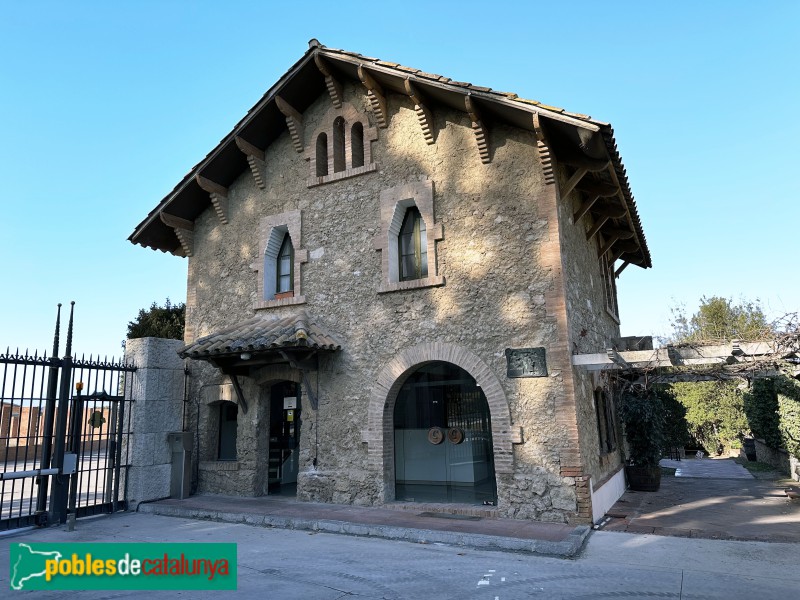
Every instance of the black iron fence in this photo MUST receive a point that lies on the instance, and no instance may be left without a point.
(64, 433)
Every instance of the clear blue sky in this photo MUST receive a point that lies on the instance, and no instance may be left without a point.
(104, 106)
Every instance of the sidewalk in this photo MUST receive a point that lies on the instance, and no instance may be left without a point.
(713, 499)
(420, 525)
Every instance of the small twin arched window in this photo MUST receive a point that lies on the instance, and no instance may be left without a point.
(342, 148)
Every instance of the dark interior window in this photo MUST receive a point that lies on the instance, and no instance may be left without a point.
(413, 246)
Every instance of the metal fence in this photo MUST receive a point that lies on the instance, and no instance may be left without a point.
(64, 432)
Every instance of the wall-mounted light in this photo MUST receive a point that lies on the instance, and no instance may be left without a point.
(245, 356)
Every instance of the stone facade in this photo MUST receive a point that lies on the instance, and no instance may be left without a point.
(507, 269)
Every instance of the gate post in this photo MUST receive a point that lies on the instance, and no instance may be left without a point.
(157, 409)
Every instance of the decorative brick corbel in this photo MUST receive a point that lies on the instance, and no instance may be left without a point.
(480, 129)
(184, 231)
(333, 85)
(543, 146)
(219, 196)
(256, 158)
(376, 97)
(423, 113)
(294, 121)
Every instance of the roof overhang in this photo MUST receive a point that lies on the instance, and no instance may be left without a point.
(585, 145)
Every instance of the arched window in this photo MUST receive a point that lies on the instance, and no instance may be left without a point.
(413, 246)
(283, 272)
(357, 144)
(338, 145)
(322, 155)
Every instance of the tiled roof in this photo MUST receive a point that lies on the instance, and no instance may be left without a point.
(261, 334)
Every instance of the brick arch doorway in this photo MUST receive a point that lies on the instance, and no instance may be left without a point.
(379, 434)
(443, 438)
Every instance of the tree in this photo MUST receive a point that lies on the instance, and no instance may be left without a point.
(714, 413)
(159, 321)
(720, 320)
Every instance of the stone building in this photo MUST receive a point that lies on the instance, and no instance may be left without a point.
(388, 274)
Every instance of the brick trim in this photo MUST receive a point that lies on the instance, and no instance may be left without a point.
(379, 434)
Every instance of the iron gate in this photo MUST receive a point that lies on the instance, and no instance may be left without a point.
(64, 432)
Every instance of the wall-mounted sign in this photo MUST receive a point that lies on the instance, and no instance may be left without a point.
(526, 362)
(289, 403)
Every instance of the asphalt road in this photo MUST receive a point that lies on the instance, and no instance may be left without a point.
(287, 565)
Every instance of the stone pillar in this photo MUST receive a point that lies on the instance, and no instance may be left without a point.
(157, 409)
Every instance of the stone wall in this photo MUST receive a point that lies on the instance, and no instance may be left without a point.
(157, 409)
(779, 458)
(499, 257)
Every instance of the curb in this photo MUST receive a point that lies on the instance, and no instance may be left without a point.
(567, 548)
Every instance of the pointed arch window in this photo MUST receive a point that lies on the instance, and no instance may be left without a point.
(413, 246)
(284, 268)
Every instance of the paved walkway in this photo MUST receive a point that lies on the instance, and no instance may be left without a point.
(420, 525)
(710, 499)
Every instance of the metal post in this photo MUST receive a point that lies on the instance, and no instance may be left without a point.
(60, 492)
(76, 428)
(118, 453)
(49, 415)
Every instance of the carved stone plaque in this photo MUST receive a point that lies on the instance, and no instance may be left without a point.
(526, 362)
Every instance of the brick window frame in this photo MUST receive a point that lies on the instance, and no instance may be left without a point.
(394, 203)
(325, 139)
(271, 233)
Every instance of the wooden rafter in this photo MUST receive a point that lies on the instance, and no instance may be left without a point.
(256, 159)
(333, 85)
(376, 97)
(573, 181)
(619, 271)
(294, 121)
(424, 115)
(184, 231)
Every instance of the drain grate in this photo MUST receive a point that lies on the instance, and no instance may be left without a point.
(449, 516)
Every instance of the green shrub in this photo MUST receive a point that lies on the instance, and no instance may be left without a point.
(761, 408)
(788, 396)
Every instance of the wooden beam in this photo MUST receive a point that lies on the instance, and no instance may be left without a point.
(612, 239)
(376, 97)
(608, 209)
(249, 149)
(621, 269)
(333, 85)
(479, 128)
(584, 208)
(424, 115)
(573, 181)
(212, 187)
(583, 161)
(255, 158)
(294, 121)
(596, 227)
(176, 222)
(599, 188)
(543, 146)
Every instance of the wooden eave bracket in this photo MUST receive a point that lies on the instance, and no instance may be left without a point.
(294, 121)
(238, 389)
(218, 194)
(333, 85)
(613, 236)
(304, 366)
(621, 268)
(376, 97)
(424, 115)
(573, 181)
(545, 156)
(184, 231)
(479, 128)
(256, 158)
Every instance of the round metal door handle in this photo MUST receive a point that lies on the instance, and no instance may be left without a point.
(455, 435)
(435, 435)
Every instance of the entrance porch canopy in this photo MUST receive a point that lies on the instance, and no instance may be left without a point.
(260, 341)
